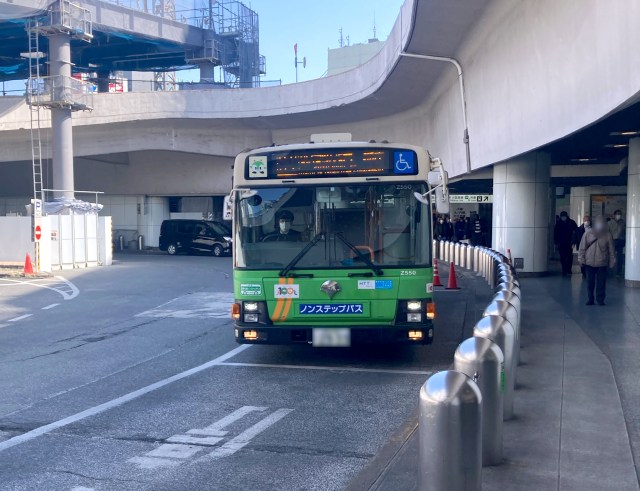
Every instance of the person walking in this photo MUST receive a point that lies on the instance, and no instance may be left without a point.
(619, 236)
(577, 237)
(597, 252)
(562, 236)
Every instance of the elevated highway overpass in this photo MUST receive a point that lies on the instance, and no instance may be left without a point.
(537, 76)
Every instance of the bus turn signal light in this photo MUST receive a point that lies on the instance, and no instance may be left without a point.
(235, 311)
(431, 310)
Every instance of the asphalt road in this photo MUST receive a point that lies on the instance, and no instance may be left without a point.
(128, 378)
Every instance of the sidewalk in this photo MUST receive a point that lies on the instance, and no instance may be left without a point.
(569, 430)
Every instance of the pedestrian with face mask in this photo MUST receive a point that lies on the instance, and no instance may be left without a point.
(562, 236)
(577, 237)
(597, 252)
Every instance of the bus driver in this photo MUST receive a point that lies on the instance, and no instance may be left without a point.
(284, 230)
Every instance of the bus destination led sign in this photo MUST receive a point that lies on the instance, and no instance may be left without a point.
(326, 163)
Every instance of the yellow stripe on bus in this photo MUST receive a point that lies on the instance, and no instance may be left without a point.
(280, 303)
(287, 305)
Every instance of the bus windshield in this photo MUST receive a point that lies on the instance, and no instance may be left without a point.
(349, 226)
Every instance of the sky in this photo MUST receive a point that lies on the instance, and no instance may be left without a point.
(315, 26)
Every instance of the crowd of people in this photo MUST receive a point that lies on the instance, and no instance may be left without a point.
(471, 229)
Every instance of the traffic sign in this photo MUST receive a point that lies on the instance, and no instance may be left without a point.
(38, 233)
(37, 208)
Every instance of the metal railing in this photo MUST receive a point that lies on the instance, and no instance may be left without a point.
(60, 91)
(462, 410)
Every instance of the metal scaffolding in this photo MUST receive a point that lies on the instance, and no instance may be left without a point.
(233, 45)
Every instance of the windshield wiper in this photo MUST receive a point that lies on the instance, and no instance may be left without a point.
(294, 261)
(364, 257)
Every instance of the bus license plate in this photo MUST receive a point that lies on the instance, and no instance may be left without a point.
(331, 337)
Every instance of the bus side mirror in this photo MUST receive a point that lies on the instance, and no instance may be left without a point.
(439, 179)
(442, 200)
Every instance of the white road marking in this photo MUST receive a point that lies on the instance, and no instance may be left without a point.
(43, 430)
(232, 446)
(3, 325)
(50, 306)
(16, 319)
(153, 462)
(329, 368)
(173, 451)
(64, 287)
(194, 306)
(82, 488)
(185, 446)
(195, 440)
(216, 429)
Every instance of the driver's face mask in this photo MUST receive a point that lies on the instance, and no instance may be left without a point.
(284, 226)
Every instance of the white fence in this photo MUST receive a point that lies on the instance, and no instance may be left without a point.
(67, 242)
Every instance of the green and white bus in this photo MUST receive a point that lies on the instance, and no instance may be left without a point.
(332, 243)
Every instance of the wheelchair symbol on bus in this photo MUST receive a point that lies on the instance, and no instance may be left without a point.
(404, 162)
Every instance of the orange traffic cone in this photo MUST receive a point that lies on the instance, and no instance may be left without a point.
(453, 284)
(28, 268)
(436, 275)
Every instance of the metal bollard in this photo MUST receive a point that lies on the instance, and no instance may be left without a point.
(500, 331)
(463, 256)
(121, 241)
(509, 312)
(513, 299)
(456, 253)
(451, 252)
(445, 256)
(511, 287)
(450, 433)
(483, 361)
(140, 242)
(508, 276)
(470, 264)
(434, 249)
(441, 251)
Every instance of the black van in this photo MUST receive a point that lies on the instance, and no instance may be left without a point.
(195, 236)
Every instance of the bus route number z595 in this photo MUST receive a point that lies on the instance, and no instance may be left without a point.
(408, 272)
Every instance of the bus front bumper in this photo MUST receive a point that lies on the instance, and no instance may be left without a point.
(357, 335)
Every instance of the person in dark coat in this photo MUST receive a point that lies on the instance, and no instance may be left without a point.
(459, 229)
(477, 230)
(562, 238)
(577, 237)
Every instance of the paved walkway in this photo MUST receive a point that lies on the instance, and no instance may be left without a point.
(577, 402)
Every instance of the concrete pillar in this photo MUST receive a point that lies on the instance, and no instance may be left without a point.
(632, 245)
(521, 209)
(580, 203)
(62, 133)
(207, 72)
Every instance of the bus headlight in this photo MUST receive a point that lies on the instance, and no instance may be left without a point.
(414, 317)
(251, 317)
(250, 306)
(414, 305)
